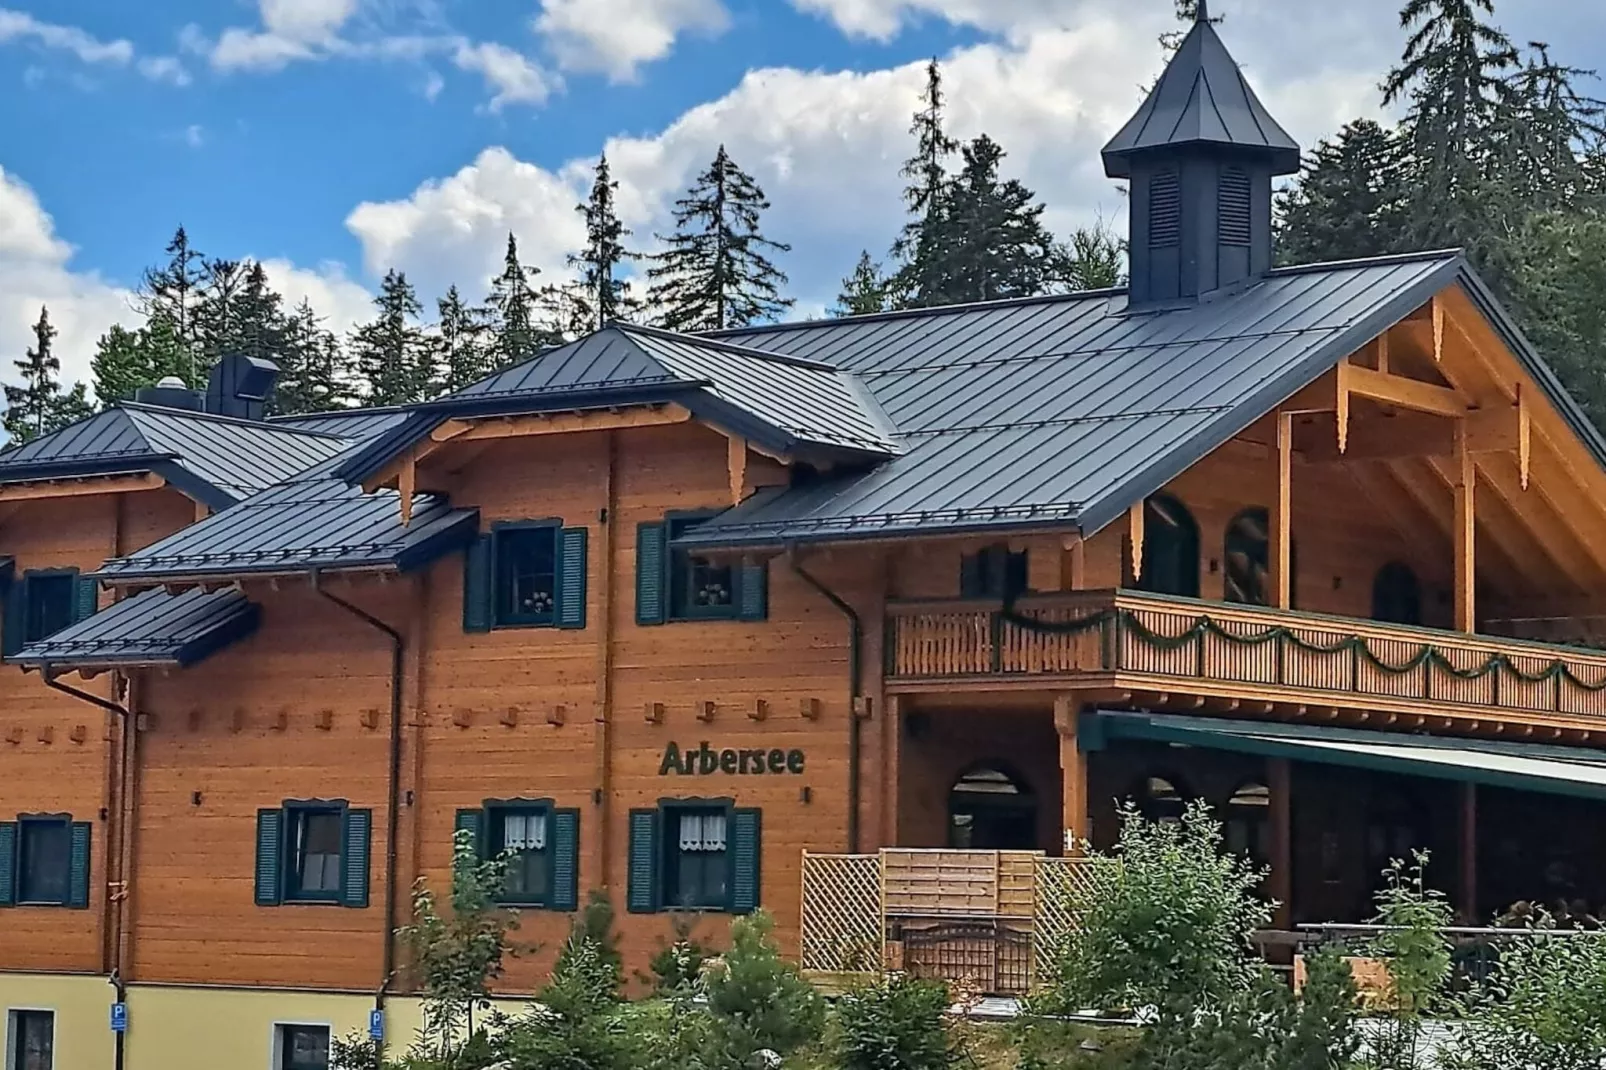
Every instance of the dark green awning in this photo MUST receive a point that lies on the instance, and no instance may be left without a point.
(1525, 767)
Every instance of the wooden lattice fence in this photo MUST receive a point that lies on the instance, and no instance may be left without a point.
(842, 916)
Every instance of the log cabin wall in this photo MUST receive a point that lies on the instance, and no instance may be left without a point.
(57, 753)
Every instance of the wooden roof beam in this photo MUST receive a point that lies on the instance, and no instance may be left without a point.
(74, 488)
(1400, 392)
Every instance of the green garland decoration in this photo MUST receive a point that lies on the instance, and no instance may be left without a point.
(1356, 645)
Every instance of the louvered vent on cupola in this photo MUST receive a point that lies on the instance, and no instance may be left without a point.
(1232, 207)
(1165, 211)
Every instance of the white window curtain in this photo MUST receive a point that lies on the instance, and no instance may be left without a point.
(524, 832)
(702, 832)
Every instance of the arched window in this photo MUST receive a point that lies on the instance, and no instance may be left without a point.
(1170, 548)
(1247, 551)
(1161, 797)
(1396, 595)
(989, 809)
(1248, 828)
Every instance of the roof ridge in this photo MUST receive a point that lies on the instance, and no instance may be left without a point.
(212, 417)
(911, 313)
(351, 410)
(733, 347)
(1420, 256)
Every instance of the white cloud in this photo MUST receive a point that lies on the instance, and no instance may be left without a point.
(618, 36)
(35, 271)
(826, 146)
(194, 135)
(342, 302)
(513, 77)
(306, 20)
(87, 48)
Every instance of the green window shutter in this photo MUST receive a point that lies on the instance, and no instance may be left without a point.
(651, 555)
(88, 599)
(15, 626)
(746, 851)
(269, 875)
(642, 881)
(78, 868)
(479, 612)
(753, 589)
(473, 823)
(572, 578)
(8, 863)
(354, 858)
(565, 860)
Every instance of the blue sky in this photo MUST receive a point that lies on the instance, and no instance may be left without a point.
(335, 138)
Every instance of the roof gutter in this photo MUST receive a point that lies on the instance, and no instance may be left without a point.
(855, 684)
(398, 647)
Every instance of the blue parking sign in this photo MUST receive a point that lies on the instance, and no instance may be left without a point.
(376, 1024)
(119, 1017)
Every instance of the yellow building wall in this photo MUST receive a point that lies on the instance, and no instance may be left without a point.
(82, 1006)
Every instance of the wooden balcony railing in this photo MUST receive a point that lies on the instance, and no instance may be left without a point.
(1126, 636)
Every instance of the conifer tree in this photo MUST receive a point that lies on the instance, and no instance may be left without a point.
(925, 243)
(389, 353)
(713, 272)
(1351, 198)
(311, 366)
(606, 296)
(40, 406)
(259, 327)
(217, 312)
(125, 360)
(169, 293)
(864, 290)
(563, 311)
(463, 355)
(1091, 260)
(1000, 247)
(517, 333)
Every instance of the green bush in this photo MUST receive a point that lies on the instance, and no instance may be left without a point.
(678, 965)
(760, 999)
(578, 1022)
(1171, 923)
(897, 1024)
(1543, 1007)
(1418, 955)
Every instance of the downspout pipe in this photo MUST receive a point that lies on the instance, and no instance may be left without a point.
(398, 650)
(855, 687)
(116, 978)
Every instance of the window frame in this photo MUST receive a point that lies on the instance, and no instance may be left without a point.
(290, 863)
(24, 822)
(492, 812)
(670, 848)
(29, 585)
(994, 572)
(502, 528)
(678, 522)
(13, 1038)
(281, 1049)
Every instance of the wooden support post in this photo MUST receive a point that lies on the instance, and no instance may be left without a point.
(1073, 564)
(1135, 525)
(407, 485)
(1466, 478)
(1280, 788)
(1469, 853)
(736, 462)
(1281, 521)
(1341, 404)
(1383, 352)
(1074, 823)
(1524, 436)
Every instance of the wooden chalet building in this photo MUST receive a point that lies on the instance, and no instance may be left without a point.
(713, 623)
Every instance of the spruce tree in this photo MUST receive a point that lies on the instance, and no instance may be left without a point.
(925, 244)
(713, 272)
(516, 330)
(864, 290)
(606, 296)
(1351, 198)
(311, 366)
(1000, 247)
(260, 326)
(1091, 260)
(217, 313)
(169, 293)
(390, 353)
(563, 311)
(39, 406)
(463, 355)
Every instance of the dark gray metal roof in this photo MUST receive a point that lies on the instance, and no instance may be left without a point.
(151, 628)
(299, 526)
(217, 459)
(1066, 410)
(770, 397)
(1202, 99)
(348, 423)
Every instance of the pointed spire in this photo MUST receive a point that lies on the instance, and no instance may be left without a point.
(1203, 12)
